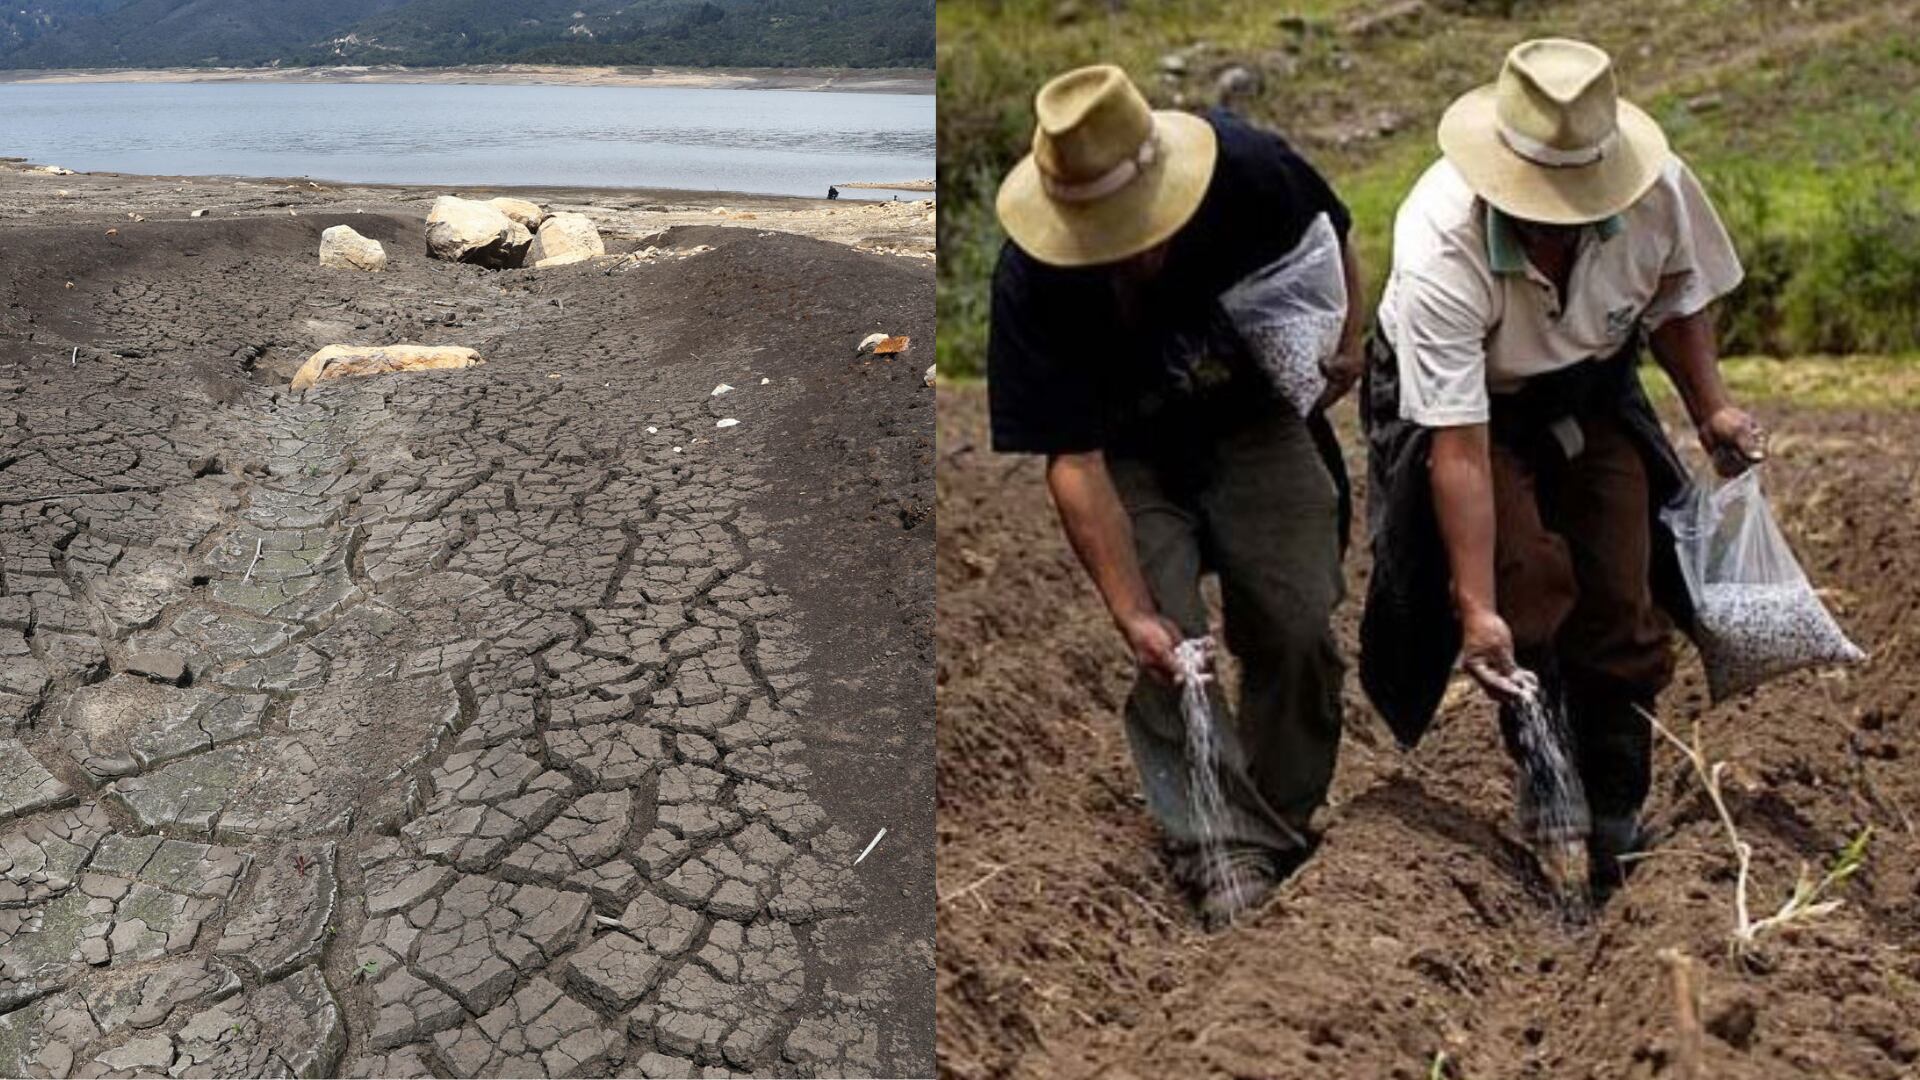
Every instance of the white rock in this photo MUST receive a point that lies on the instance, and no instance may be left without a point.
(203, 212)
(528, 214)
(721, 389)
(727, 423)
(343, 248)
(653, 431)
(461, 230)
(933, 371)
(868, 342)
(764, 382)
(345, 361)
(565, 238)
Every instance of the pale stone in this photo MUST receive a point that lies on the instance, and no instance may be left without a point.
(344, 361)
(461, 230)
(565, 238)
(528, 214)
(345, 249)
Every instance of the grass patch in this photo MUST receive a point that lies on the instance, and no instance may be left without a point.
(1838, 382)
(1805, 127)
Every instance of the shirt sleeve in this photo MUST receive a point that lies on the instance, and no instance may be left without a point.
(1281, 180)
(1315, 195)
(1441, 317)
(1041, 399)
(1702, 265)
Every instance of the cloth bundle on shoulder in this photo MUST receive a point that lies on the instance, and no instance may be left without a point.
(1290, 312)
(1756, 614)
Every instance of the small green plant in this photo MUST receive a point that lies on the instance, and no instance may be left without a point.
(367, 970)
(1809, 899)
(1439, 1069)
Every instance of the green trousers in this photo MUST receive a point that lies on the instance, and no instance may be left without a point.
(1257, 508)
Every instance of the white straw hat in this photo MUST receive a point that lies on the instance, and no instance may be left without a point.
(1550, 140)
(1108, 177)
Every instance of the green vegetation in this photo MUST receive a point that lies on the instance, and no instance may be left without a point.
(1850, 382)
(430, 33)
(1803, 124)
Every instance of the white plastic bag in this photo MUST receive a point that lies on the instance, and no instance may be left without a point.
(1756, 614)
(1290, 312)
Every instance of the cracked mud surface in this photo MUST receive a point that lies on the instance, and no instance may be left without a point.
(453, 723)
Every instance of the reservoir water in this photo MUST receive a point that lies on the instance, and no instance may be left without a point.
(776, 142)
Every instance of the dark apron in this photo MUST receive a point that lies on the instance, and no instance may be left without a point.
(1409, 633)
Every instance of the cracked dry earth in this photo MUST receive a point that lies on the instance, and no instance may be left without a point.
(453, 723)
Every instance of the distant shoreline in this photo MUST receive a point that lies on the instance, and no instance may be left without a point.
(838, 80)
(900, 185)
(426, 191)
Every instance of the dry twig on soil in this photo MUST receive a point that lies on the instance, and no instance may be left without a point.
(257, 545)
(1805, 901)
(968, 890)
(1686, 1012)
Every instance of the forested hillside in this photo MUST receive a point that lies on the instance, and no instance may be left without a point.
(695, 33)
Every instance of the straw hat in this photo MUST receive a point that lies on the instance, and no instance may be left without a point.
(1550, 140)
(1108, 177)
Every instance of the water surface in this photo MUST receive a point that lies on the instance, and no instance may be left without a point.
(779, 142)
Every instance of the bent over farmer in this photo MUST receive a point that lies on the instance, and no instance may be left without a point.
(1170, 454)
(1517, 468)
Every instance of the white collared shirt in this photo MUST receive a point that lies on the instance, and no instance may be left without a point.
(1468, 316)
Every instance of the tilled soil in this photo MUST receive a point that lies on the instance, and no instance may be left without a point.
(1419, 927)
(507, 721)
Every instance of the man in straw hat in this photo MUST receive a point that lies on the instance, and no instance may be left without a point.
(1516, 466)
(1170, 453)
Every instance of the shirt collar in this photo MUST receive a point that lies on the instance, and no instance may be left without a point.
(1504, 253)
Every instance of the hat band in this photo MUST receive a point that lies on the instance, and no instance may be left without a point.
(1553, 156)
(1108, 182)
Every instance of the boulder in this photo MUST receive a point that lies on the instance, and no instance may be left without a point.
(565, 238)
(461, 230)
(345, 249)
(528, 214)
(346, 361)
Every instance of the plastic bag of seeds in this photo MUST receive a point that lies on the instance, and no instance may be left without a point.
(1290, 312)
(1756, 616)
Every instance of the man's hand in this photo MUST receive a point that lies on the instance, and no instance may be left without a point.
(1734, 440)
(1486, 652)
(1342, 370)
(1687, 352)
(1152, 638)
(1102, 535)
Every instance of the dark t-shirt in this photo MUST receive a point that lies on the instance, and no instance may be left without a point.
(1070, 368)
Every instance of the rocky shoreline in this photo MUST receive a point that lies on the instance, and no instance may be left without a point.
(625, 217)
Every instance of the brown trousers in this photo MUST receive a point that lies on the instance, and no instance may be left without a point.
(1572, 570)
(1257, 508)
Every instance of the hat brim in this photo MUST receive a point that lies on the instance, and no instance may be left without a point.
(1145, 213)
(1567, 195)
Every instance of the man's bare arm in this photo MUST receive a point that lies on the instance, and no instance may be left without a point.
(1687, 351)
(1097, 526)
(1344, 366)
(1461, 470)
(1356, 301)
